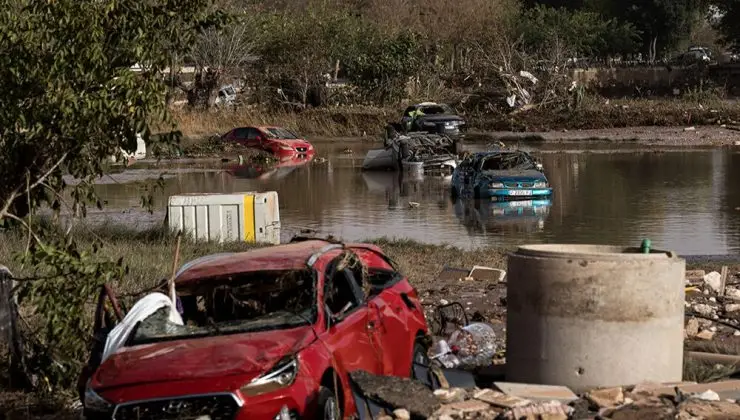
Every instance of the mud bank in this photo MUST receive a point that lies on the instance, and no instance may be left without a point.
(685, 136)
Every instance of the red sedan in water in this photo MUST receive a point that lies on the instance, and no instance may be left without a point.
(278, 140)
(265, 334)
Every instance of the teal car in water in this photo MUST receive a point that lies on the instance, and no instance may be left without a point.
(500, 175)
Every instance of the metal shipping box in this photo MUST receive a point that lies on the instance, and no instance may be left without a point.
(243, 216)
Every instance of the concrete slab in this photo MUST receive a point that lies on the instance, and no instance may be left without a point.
(537, 392)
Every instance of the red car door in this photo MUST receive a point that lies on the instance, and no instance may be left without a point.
(351, 335)
(394, 313)
(254, 137)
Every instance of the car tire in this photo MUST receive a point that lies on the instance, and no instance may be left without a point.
(419, 355)
(328, 408)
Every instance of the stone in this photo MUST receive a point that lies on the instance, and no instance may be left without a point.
(703, 309)
(695, 275)
(713, 280)
(732, 307)
(652, 408)
(732, 292)
(402, 414)
(692, 327)
(451, 395)
(537, 410)
(710, 410)
(499, 399)
(606, 397)
(705, 323)
(707, 395)
(553, 416)
(705, 335)
(470, 406)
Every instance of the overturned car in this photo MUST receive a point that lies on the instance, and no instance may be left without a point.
(265, 334)
(432, 152)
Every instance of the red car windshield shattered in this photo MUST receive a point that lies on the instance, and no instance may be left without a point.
(235, 304)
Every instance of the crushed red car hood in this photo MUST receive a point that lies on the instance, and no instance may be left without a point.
(217, 356)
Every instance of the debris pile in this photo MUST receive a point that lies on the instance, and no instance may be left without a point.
(712, 306)
(399, 398)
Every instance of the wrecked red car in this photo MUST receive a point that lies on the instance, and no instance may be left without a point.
(278, 140)
(270, 333)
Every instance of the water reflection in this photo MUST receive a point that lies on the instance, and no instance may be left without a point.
(264, 171)
(486, 217)
(685, 201)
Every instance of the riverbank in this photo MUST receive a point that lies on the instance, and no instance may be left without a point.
(149, 257)
(361, 121)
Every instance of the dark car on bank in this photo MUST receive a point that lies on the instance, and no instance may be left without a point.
(432, 117)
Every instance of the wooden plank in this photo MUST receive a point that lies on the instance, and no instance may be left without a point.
(723, 281)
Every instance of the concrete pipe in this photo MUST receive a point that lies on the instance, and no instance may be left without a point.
(587, 316)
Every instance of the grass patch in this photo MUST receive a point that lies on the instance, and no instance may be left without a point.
(331, 122)
(353, 121)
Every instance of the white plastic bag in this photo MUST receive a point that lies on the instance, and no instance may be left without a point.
(144, 308)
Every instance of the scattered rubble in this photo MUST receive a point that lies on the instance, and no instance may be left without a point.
(646, 401)
(713, 313)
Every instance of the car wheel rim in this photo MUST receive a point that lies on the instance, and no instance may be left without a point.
(330, 410)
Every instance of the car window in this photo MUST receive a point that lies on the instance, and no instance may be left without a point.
(252, 134)
(259, 301)
(241, 133)
(280, 133)
(436, 109)
(506, 161)
(340, 293)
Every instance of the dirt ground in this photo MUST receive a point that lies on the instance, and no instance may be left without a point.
(482, 301)
(687, 136)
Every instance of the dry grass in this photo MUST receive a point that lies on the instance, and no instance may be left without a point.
(330, 122)
(149, 254)
(423, 262)
(594, 113)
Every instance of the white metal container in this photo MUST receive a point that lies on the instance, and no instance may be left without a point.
(243, 216)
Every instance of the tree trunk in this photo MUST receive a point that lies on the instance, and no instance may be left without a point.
(9, 333)
(653, 49)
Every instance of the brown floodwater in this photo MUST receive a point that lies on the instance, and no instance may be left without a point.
(686, 201)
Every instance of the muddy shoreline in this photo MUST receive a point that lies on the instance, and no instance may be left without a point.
(679, 136)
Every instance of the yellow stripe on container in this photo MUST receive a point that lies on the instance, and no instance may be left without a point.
(249, 218)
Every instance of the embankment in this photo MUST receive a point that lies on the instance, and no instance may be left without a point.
(593, 113)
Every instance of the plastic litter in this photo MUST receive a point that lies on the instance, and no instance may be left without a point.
(144, 308)
(442, 353)
(474, 344)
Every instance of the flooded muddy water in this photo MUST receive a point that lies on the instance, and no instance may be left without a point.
(686, 201)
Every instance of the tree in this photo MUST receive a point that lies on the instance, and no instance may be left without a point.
(726, 15)
(662, 23)
(68, 101)
(221, 53)
(546, 29)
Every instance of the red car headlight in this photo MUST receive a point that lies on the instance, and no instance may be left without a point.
(281, 375)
